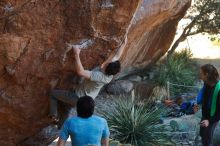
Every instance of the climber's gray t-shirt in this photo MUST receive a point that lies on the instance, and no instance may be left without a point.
(92, 87)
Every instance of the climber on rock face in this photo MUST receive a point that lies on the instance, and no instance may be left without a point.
(94, 80)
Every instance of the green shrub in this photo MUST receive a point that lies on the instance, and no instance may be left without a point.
(178, 69)
(135, 123)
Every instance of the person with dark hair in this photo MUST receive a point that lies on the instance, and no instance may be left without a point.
(94, 80)
(209, 98)
(85, 129)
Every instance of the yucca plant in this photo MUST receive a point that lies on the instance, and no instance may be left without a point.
(137, 124)
(184, 55)
(178, 69)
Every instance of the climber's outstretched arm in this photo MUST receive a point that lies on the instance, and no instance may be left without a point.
(120, 50)
(115, 56)
(79, 67)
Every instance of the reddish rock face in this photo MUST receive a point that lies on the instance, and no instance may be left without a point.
(33, 37)
(152, 32)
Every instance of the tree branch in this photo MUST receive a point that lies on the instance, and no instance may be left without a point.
(187, 30)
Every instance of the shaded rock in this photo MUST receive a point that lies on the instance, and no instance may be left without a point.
(135, 78)
(185, 130)
(119, 87)
(45, 136)
(144, 89)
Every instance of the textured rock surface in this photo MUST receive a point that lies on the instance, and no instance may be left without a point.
(119, 87)
(33, 34)
(152, 32)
